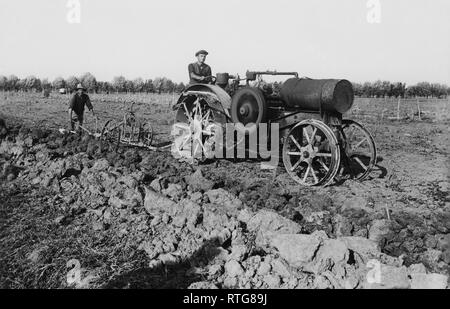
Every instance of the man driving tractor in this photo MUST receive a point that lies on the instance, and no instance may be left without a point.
(200, 72)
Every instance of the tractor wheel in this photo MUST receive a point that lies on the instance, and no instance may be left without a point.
(359, 149)
(311, 153)
(194, 136)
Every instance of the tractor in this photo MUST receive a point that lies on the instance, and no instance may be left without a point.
(316, 144)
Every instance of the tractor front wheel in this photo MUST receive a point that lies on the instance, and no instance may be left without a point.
(311, 153)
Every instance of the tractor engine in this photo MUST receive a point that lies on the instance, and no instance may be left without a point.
(259, 102)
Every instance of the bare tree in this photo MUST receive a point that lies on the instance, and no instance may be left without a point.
(71, 83)
(12, 81)
(58, 83)
(89, 81)
(33, 83)
(119, 83)
(3, 83)
(138, 84)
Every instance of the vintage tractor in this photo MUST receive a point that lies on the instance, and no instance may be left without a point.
(317, 144)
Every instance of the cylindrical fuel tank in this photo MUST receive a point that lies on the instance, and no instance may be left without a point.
(222, 79)
(331, 95)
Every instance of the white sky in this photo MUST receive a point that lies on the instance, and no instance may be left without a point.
(148, 38)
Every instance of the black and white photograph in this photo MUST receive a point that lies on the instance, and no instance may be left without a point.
(241, 146)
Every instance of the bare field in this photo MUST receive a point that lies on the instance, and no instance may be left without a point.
(52, 112)
(404, 206)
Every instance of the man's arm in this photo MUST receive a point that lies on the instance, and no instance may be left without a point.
(89, 105)
(193, 75)
(71, 104)
(197, 77)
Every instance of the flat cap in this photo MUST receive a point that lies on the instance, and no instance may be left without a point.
(204, 52)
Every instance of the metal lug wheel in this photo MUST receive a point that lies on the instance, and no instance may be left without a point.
(194, 139)
(360, 150)
(311, 153)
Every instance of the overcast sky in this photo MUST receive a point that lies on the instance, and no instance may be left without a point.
(148, 38)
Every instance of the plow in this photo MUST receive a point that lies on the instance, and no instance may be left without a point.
(129, 131)
(317, 145)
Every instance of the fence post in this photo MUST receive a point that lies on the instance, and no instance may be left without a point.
(418, 110)
(398, 109)
(173, 99)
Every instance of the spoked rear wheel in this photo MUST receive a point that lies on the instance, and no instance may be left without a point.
(194, 138)
(360, 150)
(311, 153)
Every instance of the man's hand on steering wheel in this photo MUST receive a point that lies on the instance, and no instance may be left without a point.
(211, 79)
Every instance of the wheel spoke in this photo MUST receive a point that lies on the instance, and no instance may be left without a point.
(185, 141)
(199, 111)
(204, 148)
(323, 155)
(194, 110)
(294, 167)
(195, 150)
(291, 153)
(313, 172)
(206, 117)
(306, 173)
(360, 163)
(295, 142)
(313, 134)
(307, 136)
(351, 133)
(188, 115)
(359, 144)
(323, 165)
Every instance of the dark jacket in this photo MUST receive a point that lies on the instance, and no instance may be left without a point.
(78, 102)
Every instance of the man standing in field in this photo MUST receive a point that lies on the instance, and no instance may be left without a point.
(200, 72)
(76, 108)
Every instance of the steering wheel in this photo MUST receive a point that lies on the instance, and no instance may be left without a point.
(211, 79)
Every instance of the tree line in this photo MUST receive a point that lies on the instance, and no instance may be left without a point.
(120, 84)
(381, 89)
